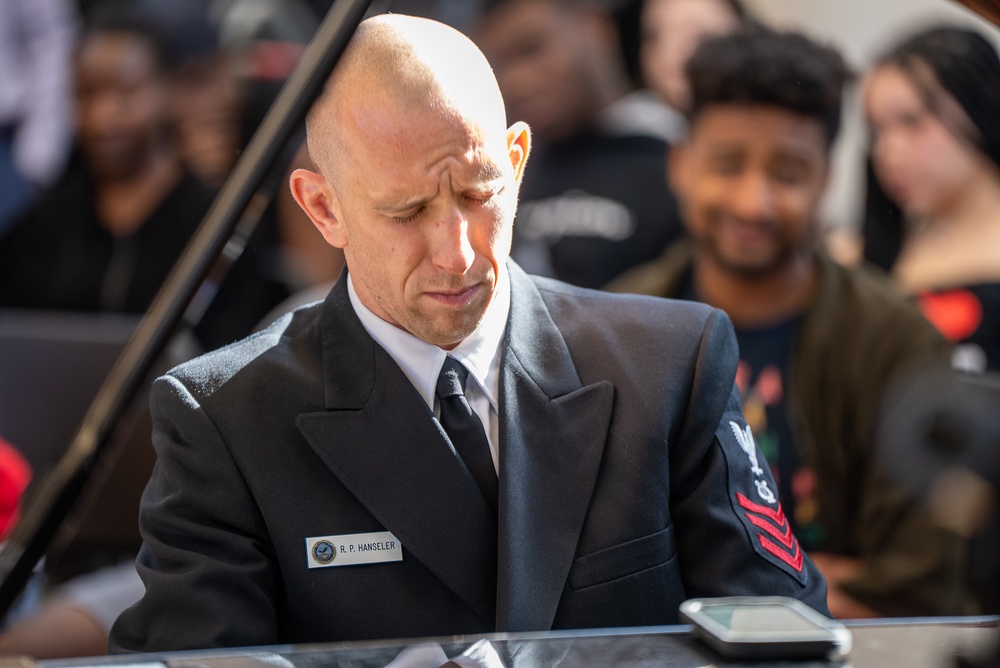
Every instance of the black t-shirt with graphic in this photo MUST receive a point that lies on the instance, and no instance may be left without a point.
(969, 316)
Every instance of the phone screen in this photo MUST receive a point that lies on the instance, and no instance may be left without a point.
(762, 619)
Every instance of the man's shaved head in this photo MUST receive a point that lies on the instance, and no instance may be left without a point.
(411, 64)
(419, 175)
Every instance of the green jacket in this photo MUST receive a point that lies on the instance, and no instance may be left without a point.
(857, 336)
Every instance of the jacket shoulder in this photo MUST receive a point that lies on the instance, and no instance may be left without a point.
(643, 335)
(207, 374)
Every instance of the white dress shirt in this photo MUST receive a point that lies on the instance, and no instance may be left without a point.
(422, 361)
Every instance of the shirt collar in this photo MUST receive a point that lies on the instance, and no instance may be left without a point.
(422, 361)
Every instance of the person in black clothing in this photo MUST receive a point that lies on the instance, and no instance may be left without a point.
(596, 201)
(108, 234)
(63, 256)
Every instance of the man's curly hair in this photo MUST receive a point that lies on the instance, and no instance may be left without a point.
(761, 66)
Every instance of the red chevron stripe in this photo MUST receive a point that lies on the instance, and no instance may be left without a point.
(795, 562)
(786, 538)
(777, 515)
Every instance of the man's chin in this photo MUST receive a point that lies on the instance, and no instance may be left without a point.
(447, 341)
(447, 335)
(751, 267)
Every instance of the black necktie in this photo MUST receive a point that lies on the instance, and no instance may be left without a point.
(465, 429)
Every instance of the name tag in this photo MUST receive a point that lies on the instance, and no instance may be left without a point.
(353, 549)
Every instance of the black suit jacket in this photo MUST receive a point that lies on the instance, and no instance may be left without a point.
(623, 485)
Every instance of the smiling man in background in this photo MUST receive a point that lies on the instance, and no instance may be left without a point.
(819, 344)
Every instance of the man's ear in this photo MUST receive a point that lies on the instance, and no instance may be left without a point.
(314, 195)
(518, 147)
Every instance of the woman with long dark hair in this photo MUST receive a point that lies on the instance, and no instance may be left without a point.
(933, 104)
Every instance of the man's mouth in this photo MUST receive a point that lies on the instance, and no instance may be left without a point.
(455, 296)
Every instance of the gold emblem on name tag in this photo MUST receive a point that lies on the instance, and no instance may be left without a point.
(324, 551)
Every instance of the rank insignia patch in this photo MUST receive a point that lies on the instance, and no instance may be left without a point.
(784, 546)
(752, 493)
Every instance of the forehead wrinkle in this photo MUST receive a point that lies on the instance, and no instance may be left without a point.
(448, 173)
(420, 150)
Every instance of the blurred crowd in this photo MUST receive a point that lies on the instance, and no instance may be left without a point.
(681, 149)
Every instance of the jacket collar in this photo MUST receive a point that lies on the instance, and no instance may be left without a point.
(552, 437)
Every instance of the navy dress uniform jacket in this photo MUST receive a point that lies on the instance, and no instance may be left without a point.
(628, 482)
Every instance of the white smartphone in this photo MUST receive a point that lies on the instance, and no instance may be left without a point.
(765, 627)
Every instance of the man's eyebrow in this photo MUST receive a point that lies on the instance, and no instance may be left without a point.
(403, 205)
(726, 147)
(792, 156)
(486, 176)
(489, 172)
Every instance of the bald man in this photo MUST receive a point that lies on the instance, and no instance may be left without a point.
(311, 486)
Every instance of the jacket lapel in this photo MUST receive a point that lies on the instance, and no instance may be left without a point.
(552, 436)
(384, 444)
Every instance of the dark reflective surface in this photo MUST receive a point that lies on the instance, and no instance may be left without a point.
(887, 643)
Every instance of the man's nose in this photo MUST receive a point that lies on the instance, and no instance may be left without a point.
(451, 245)
(752, 197)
